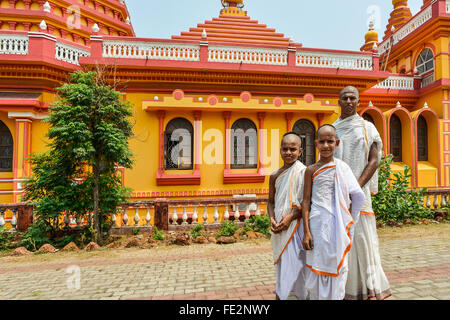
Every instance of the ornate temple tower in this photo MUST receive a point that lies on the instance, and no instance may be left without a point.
(399, 16)
(371, 39)
(72, 20)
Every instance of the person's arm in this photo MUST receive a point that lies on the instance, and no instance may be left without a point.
(371, 167)
(271, 204)
(308, 243)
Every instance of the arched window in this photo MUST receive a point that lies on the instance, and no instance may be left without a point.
(422, 139)
(243, 144)
(368, 117)
(395, 128)
(425, 67)
(178, 145)
(307, 131)
(6, 148)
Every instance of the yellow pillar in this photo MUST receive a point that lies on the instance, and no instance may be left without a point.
(22, 150)
(442, 57)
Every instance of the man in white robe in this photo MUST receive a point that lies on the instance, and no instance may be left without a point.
(285, 197)
(335, 202)
(361, 148)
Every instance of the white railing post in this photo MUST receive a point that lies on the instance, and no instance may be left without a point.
(185, 216)
(195, 215)
(205, 214)
(148, 217)
(136, 216)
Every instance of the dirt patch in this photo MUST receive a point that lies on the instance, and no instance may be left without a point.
(429, 231)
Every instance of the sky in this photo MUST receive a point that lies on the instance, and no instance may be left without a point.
(328, 24)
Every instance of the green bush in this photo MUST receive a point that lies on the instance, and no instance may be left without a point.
(259, 224)
(36, 235)
(196, 231)
(158, 234)
(227, 229)
(394, 201)
(6, 238)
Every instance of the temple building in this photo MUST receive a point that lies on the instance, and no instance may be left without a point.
(212, 103)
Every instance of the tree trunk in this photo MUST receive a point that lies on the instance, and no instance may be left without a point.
(96, 172)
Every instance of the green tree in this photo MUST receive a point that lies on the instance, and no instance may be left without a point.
(89, 128)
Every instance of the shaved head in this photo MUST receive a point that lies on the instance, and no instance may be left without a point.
(292, 137)
(349, 89)
(327, 128)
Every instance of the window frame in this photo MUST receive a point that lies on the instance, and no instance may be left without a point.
(422, 140)
(4, 131)
(250, 125)
(303, 136)
(393, 139)
(168, 132)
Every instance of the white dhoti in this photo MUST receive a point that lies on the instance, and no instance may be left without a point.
(366, 278)
(330, 223)
(287, 245)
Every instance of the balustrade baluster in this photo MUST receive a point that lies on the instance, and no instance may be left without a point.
(148, 217)
(136, 217)
(258, 209)
(247, 211)
(114, 219)
(125, 216)
(205, 214)
(428, 201)
(14, 219)
(185, 216)
(226, 214)
(237, 214)
(443, 201)
(174, 215)
(195, 215)
(435, 202)
(2, 217)
(216, 213)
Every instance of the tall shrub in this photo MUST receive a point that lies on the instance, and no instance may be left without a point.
(394, 201)
(89, 128)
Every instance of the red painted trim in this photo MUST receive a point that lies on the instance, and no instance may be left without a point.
(261, 116)
(161, 115)
(163, 179)
(235, 178)
(15, 159)
(227, 116)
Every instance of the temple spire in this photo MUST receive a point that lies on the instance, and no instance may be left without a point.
(371, 38)
(233, 7)
(399, 16)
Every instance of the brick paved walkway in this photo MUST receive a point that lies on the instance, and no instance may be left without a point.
(416, 269)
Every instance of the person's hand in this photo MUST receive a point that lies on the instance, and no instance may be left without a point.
(273, 225)
(308, 243)
(285, 222)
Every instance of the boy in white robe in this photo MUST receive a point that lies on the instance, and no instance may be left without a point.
(285, 196)
(361, 148)
(331, 204)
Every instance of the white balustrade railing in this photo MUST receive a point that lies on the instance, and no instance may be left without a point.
(151, 50)
(396, 82)
(407, 29)
(247, 55)
(13, 44)
(334, 60)
(68, 53)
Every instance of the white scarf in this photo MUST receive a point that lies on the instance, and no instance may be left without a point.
(288, 195)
